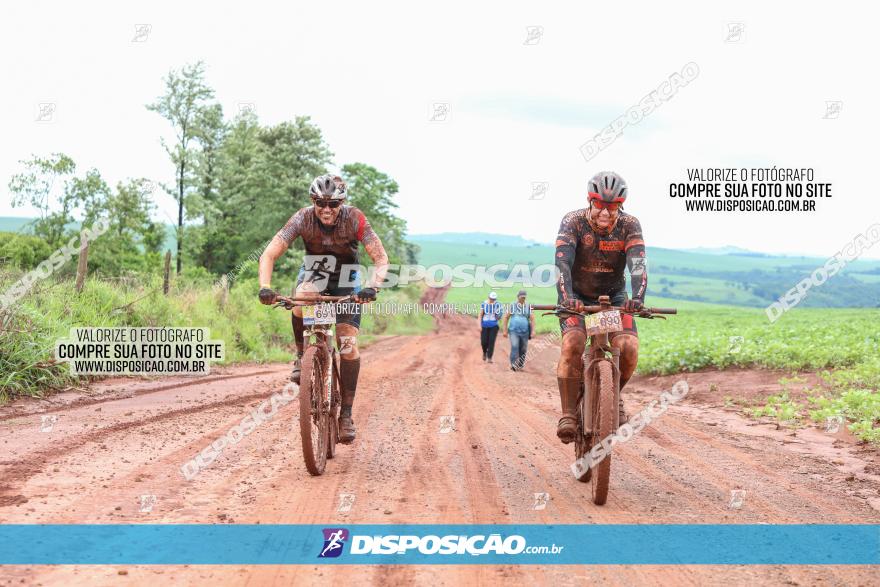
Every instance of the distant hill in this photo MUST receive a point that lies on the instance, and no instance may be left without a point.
(728, 250)
(13, 223)
(737, 277)
(475, 238)
(17, 224)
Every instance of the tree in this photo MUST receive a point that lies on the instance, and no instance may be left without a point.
(43, 186)
(185, 106)
(133, 240)
(23, 250)
(293, 154)
(210, 131)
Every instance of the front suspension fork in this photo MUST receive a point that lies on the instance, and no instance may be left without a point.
(599, 352)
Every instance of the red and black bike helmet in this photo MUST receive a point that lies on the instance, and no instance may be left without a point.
(607, 187)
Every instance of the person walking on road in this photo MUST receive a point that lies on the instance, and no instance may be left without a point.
(490, 313)
(519, 324)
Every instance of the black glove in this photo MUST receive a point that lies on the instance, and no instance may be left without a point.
(267, 296)
(573, 304)
(368, 294)
(633, 306)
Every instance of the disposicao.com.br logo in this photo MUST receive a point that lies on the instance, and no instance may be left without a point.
(476, 545)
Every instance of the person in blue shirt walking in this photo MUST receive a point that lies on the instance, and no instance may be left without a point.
(519, 324)
(490, 313)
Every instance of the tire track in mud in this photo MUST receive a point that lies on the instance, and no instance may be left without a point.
(21, 470)
(17, 412)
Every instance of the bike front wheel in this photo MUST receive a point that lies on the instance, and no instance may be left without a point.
(314, 415)
(583, 439)
(603, 426)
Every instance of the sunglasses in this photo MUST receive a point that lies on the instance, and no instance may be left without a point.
(332, 204)
(610, 206)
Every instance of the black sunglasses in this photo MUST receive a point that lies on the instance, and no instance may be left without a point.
(332, 204)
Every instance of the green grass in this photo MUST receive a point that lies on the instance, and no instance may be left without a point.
(251, 332)
(860, 406)
(780, 407)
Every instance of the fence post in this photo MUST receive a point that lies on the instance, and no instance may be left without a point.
(83, 265)
(166, 282)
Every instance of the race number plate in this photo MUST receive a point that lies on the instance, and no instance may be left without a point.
(320, 314)
(602, 322)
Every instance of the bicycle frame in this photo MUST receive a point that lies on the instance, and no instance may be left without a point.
(322, 335)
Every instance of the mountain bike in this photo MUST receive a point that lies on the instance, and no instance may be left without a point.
(320, 397)
(597, 415)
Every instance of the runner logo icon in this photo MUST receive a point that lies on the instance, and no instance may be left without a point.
(317, 270)
(334, 540)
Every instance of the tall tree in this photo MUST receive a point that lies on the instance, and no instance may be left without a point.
(373, 192)
(221, 242)
(184, 105)
(263, 178)
(210, 131)
(293, 154)
(133, 240)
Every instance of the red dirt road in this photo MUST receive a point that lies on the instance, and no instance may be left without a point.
(128, 438)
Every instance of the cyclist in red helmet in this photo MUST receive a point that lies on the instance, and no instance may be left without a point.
(593, 248)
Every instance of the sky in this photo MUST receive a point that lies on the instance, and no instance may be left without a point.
(522, 84)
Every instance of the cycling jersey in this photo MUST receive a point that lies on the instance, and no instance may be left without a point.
(339, 240)
(592, 264)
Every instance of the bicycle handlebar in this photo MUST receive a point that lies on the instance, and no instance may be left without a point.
(290, 303)
(595, 309)
(315, 299)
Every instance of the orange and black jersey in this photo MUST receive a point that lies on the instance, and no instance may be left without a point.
(340, 240)
(592, 265)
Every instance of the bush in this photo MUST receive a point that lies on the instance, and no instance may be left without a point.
(23, 251)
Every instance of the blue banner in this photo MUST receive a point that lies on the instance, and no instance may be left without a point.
(813, 544)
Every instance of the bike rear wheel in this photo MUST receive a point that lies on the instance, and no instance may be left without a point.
(603, 426)
(333, 424)
(314, 415)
